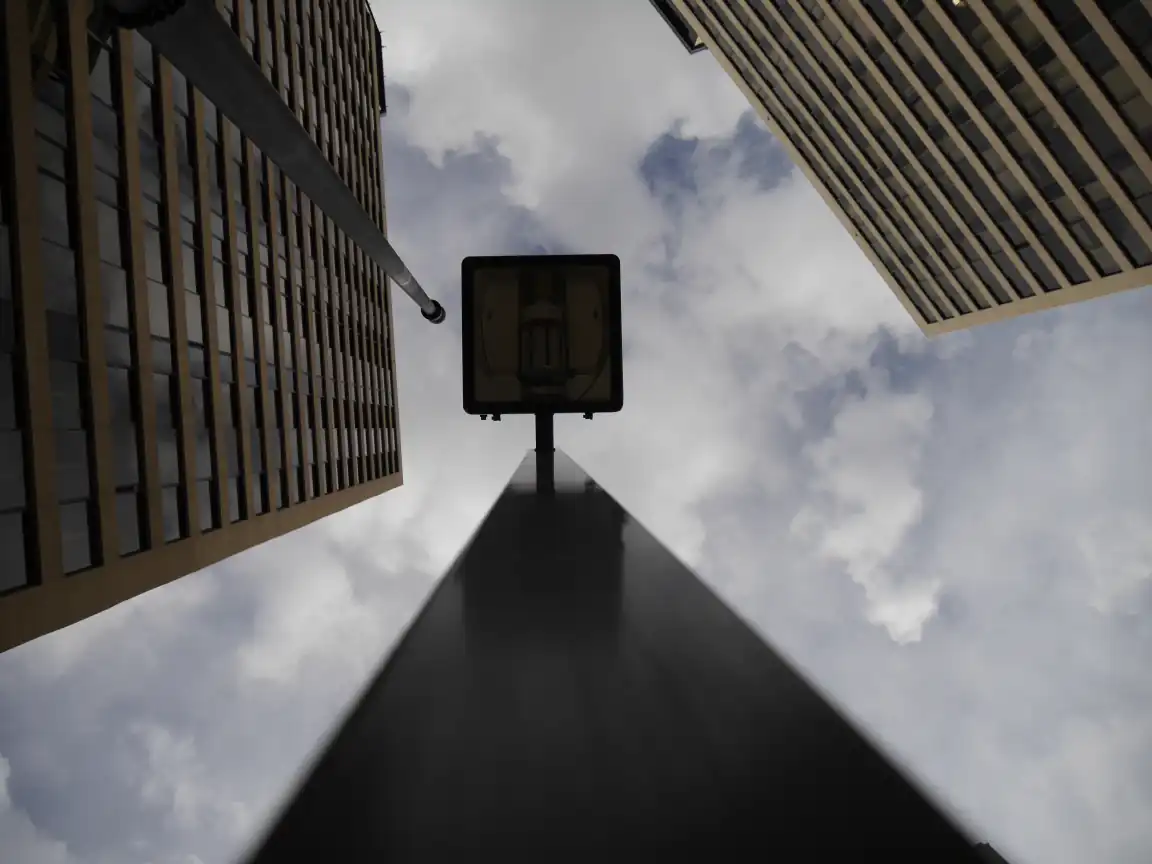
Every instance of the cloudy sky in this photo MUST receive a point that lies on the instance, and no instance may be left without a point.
(954, 537)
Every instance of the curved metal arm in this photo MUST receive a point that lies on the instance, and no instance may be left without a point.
(198, 42)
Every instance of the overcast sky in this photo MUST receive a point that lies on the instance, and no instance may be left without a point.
(953, 537)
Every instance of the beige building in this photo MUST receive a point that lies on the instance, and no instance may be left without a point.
(991, 157)
(193, 360)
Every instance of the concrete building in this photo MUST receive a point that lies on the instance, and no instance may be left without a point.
(991, 157)
(193, 360)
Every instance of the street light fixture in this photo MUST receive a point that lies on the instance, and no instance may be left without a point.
(542, 336)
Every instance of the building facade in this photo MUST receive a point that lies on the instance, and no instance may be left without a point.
(193, 359)
(991, 157)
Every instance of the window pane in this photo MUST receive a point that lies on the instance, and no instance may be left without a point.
(170, 513)
(75, 536)
(128, 521)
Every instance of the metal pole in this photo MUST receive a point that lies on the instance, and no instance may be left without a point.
(199, 43)
(572, 690)
(545, 453)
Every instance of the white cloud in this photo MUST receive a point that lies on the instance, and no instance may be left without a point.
(310, 613)
(174, 780)
(156, 612)
(865, 498)
(930, 548)
(559, 93)
(20, 839)
(1118, 554)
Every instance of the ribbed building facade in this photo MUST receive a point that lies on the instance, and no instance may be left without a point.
(991, 157)
(193, 360)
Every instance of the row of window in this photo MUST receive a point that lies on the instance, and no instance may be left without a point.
(341, 101)
(354, 450)
(904, 256)
(830, 82)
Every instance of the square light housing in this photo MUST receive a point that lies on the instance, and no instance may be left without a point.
(542, 334)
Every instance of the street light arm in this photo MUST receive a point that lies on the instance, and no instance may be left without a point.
(198, 42)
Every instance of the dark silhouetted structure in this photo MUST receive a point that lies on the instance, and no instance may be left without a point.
(572, 690)
(988, 855)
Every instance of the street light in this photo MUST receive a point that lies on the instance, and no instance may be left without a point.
(542, 336)
(194, 37)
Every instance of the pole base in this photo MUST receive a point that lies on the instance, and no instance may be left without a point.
(437, 314)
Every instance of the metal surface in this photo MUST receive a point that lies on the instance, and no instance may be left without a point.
(199, 43)
(545, 452)
(571, 689)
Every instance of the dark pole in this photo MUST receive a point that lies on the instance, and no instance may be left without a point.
(572, 691)
(545, 452)
(198, 42)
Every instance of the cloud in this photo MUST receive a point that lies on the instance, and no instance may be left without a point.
(865, 498)
(1118, 557)
(22, 840)
(172, 782)
(949, 536)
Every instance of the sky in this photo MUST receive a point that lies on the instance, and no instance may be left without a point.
(952, 537)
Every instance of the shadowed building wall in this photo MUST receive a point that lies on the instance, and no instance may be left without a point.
(193, 360)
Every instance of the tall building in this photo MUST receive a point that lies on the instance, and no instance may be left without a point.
(991, 157)
(193, 359)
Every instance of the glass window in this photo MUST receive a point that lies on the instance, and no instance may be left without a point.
(59, 265)
(171, 505)
(1032, 262)
(128, 513)
(223, 331)
(167, 453)
(76, 536)
(1092, 125)
(64, 340)
(142, 56)
(256, 447)
(1090, 48)
(1062, 149)
(203, 454)
(194, 318)
(118, 348)
(162, 356)
(114, 285)
(120, 397)
(1119, 85)
(108, 229)
(50, 113)
(72, 475)
(204, 501)
(107, 188)
(1124, 233)
(231, 451)
(65, 380)
(158, 309)
(54, 221)
(260, 493)
(1144, 203)
(235, 495)
(153, 255)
